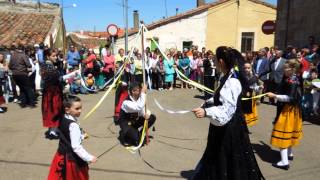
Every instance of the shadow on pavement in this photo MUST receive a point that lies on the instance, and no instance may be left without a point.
(93, 169)
(313, 120)
(187, 174)
(199, 97)
(265, 152)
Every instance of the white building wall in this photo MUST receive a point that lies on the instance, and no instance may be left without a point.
(173, 34)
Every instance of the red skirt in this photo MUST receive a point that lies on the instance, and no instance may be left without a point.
(64, 169)
(2, 100)
(52, 106)
(121, 95)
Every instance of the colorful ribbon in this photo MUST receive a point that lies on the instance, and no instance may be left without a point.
(254, 97)
(104, 96)
(170, 111)
(180, 75)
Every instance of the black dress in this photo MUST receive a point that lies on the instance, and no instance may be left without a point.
(228, 155)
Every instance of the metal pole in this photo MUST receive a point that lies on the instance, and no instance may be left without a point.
(39, 5)
(112, 44)
(63, 28)
(165, 5)
(126, 20)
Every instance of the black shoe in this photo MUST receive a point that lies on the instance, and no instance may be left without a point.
(122, 139)
(22, 105)
(50, 136)
(116, 120)
(32, 106)
(2, 110)
(285, 167)
(290, 158)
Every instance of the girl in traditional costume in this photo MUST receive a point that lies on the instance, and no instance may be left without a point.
(228, 155)
(287, 130)
(249, 107)
(52, 109)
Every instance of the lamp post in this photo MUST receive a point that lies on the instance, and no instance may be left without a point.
(126, 37)
(63, 27)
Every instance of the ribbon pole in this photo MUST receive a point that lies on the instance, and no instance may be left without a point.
(144, 79)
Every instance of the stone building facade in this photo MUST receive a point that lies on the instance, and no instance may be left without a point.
(296, 21)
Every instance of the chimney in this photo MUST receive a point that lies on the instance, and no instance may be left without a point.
(201, 3)
(135, 19)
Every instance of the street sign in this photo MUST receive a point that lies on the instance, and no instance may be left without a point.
(112, 29)
(268, 27)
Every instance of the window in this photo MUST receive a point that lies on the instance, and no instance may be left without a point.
(247, 41)
(187, 44)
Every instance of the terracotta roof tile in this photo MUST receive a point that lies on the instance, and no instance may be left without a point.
(102, 34)
(24, 27)
(90, 42)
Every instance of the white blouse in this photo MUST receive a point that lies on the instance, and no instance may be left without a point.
(76, 138)
(283, 98)
(135, 106)
(222, 114)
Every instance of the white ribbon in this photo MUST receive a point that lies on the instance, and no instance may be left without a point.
(170, 111)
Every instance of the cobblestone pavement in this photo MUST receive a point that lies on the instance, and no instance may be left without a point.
(178, 143)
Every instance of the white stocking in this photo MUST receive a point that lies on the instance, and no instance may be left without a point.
(290, 153)
(284, 157)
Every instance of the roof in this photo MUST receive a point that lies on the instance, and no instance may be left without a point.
(180, 16)
(264, 3)
(89, 42)
(24, 28)
(22, 24)
(193, 12)
(101, 34)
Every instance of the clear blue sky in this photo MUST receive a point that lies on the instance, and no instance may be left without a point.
(99, 13)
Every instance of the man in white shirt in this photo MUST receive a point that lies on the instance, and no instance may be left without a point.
(133, 115)
(276, 72)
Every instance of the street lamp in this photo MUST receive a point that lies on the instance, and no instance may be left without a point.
(74, 5)
(62, 21)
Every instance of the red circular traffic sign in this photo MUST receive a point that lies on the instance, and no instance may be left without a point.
(269, 27)
(112, 29)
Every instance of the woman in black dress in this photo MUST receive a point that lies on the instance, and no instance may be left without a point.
(228, 155)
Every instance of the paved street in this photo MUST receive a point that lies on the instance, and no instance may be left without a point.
(179, 141)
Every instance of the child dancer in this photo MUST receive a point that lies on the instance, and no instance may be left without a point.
(71, 160)
(52, 94)
(249, 107)
(287, 130)
(133, 115)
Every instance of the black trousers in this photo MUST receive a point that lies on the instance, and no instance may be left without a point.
(138, 78)
(27, 95)
(109, 74)
(208, 81)
(33, 81)
(133, 135)
(155, 80)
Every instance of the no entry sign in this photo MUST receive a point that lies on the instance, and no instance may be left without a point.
(112, 29)
(268, 27)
